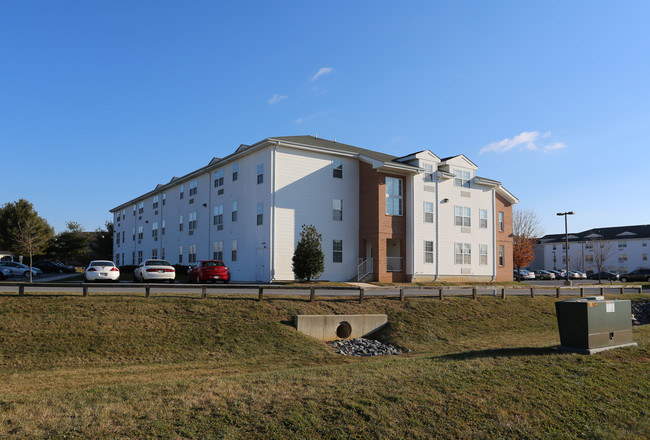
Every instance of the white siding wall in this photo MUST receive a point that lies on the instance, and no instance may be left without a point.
(304, 191)
(479, 198)
(423, 231)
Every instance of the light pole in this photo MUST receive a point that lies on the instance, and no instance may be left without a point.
(567, 282)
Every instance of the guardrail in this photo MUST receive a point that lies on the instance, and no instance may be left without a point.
(440, 292)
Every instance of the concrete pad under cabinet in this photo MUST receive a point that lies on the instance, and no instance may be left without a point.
(333, 327)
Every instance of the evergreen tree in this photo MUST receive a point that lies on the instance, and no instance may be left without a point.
(308, 258)
(22, 230)
(71, 245)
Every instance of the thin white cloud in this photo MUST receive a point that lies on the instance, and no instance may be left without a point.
(277, 98)
(555, 146)
(529, 140)
(321, 72)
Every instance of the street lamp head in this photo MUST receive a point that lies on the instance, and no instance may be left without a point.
(566, 213)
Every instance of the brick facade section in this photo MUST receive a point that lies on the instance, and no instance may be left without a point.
(504, 238)
(375, 227)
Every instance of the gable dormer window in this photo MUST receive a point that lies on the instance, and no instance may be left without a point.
(461, 178)
(428, 172)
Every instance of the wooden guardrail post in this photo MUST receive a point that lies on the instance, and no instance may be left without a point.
(582, 292)
(640, 289)
(312, 294)
(147, 290)
(362, 294)
(532, 292)
(21, 290)
(557, 292)
(203, 292)
(622, 290)
(602, 291)
(475, 293)
(402, 297)
(503, 293)
(85, 290)
(440, 295)
(260, 293)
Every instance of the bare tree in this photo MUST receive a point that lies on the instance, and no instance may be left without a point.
(603, 250)
(30, 236)
(526, 230)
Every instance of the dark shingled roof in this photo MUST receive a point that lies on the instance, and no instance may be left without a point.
(612, 233)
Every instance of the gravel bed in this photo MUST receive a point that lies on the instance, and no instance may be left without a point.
(365, 347)
(640, 313)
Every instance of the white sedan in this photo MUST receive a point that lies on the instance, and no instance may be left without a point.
(101, 270)
(154, 270)
(19, 269)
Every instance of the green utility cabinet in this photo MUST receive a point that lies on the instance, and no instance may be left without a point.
(593, 324)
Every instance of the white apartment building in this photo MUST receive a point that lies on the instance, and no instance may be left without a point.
(626, 249)
(381, 217)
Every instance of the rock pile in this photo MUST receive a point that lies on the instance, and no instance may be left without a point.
(364, 347)
(640, 313)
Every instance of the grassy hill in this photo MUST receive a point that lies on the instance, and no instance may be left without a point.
(230, 367)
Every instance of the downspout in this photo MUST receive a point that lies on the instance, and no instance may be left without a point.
(412, 210)
(272, 244)
(494, 237)
(435, 277)
(210, 183)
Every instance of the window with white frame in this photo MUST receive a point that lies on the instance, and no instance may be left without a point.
(428, 172)
(133, 257)
(234, 211)
(164, 199)
(218, 217)
(260, 173)
(483, 254)
(162, 254)
(589, 246)
(482, 218)
(217, 250)
(233, 255)
(193, 187)
(428, 212)
(394, 194)
(235, 171)
(502, 259)
(501, 224)
(260, 213)
(622, 258)
(622, 244)
(644, 244)
(337, 169)
(191, 254)
(191, 223)
(155, 202)
(180, 254)
(117, 259)
(462, 216)
(135, 208)
(162, 228)
(337, 209)
(218, 178)
(644, 257)
(463, 253)
(140, 232)
(337, 251)
(154, 230)
(589, 258)
(182, 191)
(462, 178)
(154, 253)
(180, 223)
(141, 208)
(139, 257)
(133, 234)
(428, 251)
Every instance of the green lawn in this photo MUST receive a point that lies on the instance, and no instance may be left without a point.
(231, 367)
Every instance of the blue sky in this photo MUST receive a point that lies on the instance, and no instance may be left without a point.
(100, 101)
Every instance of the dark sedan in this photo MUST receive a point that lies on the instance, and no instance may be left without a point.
(51, 266)
(636, 275)
(609, 276)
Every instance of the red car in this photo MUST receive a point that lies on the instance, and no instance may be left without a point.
(208, 270)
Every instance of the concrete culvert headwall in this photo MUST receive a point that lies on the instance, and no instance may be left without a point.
(333, 327)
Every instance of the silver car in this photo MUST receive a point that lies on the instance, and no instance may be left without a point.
(19, 269)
